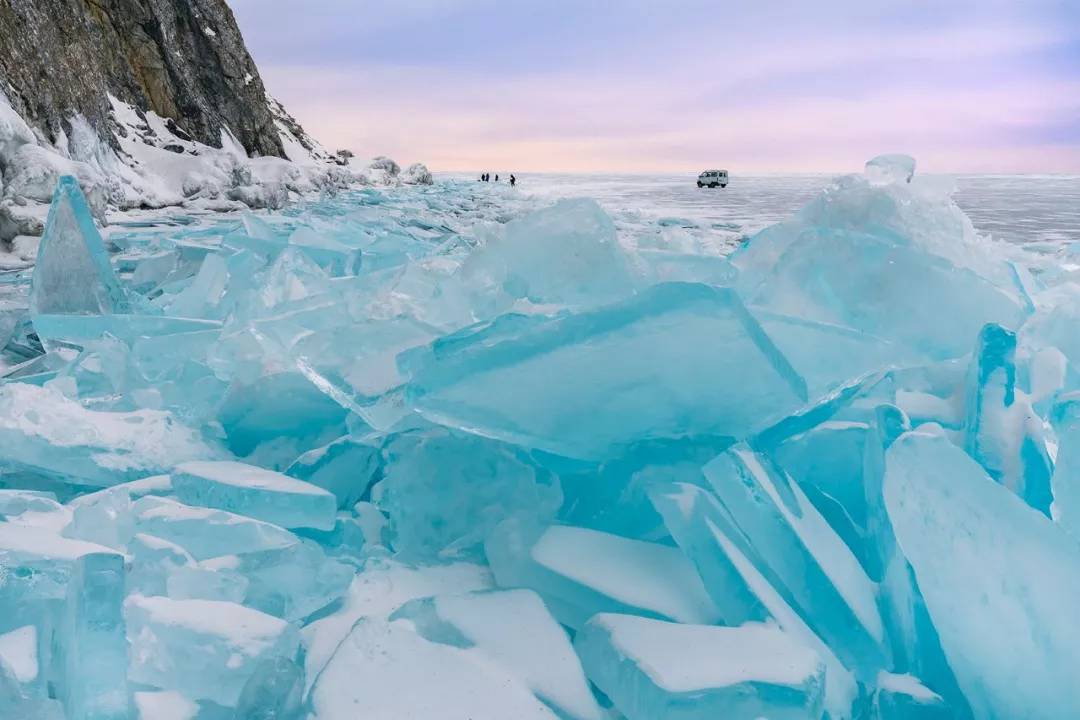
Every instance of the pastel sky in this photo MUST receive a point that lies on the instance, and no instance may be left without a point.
(677, 85)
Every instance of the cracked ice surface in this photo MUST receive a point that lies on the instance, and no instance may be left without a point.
(452, 451)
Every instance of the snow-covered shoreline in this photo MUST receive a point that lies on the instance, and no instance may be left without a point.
(156, 166)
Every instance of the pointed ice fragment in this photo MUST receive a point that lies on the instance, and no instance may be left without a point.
(999, 579)
(655, 670)
(1002, 431)
(803, 557)
(732, 573)
(73, 274)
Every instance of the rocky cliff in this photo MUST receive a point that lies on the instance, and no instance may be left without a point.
(185, 60)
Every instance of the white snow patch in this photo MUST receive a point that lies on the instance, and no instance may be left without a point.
(18, 650)
(165, 705)
(640, 574)
(686, 658)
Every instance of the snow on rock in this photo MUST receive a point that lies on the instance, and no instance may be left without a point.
(155, 164)
(417, 174)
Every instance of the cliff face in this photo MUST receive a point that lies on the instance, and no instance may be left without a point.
(183, 59)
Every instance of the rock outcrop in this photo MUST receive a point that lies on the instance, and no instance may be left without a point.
(185, 60)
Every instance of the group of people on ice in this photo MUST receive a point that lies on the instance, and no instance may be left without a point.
(486, 177)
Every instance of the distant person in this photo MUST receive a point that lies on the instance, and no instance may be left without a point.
(513, 180)
(496, 177)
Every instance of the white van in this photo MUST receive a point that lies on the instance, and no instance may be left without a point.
(712, 178)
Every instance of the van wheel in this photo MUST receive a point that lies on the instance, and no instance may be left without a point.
(723, 186)
(699, 185)
(712, 185)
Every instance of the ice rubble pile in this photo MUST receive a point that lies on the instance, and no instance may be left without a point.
(413, 453)
(155, 164)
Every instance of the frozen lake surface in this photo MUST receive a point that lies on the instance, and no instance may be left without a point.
(1043, 210)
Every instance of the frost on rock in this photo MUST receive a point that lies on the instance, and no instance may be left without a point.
(384, 452)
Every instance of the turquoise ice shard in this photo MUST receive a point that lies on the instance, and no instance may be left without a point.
(889, 423)
(73, 274)
(984, 559)
(733, 576)
(344, 467)
(385, 670)
(1002, 431)
(693, 516)
(81, 329)
(1065, 417)
(290, 582)
(904, 697)
(514, 629)
(678, 360)
(802, 556)
(273, 692)
(656, 670)
(205, 649)
(444, 491)
(827, 463)
(851, 257)
(153, 561)
(567, 254)
(255, 492)
(828, 355)
(94, 641)
(560, 563)
(204, 532)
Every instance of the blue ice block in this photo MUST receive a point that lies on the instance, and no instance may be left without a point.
(205, 649)
(998, 578)
(204, 532)
(255, 492)
(95, 685)
(678, 360)
(655, 670)
(445, 491)
(1002, 431)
